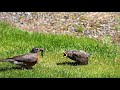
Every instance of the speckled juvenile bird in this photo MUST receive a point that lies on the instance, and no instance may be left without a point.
(79, 56)
(26, 60)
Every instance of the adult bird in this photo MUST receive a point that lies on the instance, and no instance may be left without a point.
(80, 56)
(26, 60)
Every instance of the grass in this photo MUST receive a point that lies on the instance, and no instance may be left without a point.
(15, 42)
(117, 26)
(80, 28)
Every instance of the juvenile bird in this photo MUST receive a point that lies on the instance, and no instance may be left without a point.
(26, 60)
(81, 57)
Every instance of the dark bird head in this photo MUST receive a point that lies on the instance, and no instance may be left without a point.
(67, 53)
(36, 50)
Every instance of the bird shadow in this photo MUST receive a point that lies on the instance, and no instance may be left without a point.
(11, 68)
(69, 63)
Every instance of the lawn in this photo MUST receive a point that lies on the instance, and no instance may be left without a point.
(14, 41)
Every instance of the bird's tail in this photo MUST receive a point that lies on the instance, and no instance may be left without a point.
(7, 60)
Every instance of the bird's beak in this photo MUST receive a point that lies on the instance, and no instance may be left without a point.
(42, 53)
(65, 54)
(42, 50)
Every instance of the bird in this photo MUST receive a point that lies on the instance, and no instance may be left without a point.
(26, 60)
(80, 56)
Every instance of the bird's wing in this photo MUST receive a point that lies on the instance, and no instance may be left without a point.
(31, 57)
(80, 54)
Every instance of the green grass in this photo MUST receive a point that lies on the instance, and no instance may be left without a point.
(117, 26)
(15, 42)
(80, 28)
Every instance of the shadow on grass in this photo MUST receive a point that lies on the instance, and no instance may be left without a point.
(12, 68)
(69, 63)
